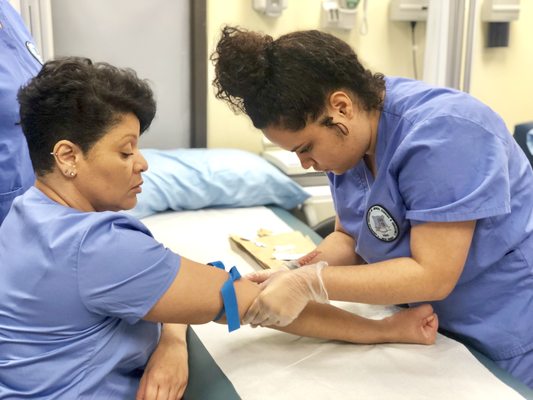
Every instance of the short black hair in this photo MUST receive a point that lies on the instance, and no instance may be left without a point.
(286, 82)
(75, 99)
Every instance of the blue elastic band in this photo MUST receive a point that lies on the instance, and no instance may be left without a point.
(229, 298)
(218, 264)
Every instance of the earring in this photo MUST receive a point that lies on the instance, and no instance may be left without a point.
(72, 173)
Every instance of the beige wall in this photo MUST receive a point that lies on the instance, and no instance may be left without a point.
(498, 74)
(503, 77)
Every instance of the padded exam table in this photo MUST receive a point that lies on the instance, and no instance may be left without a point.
(266, 364)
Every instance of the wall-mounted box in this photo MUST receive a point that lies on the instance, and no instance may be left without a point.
(337, 17)
(500, 10)
(271, 8)
(499, 14)
(408, 10)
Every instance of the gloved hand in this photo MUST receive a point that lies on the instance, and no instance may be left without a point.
(264, 274)
(285, 294)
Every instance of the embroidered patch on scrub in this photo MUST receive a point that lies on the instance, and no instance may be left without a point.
(33, 51)
(381, 224)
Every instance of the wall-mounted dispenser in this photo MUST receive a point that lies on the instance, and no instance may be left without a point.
(339, 14)
(408, 10)
(271, 8)
(499, 14)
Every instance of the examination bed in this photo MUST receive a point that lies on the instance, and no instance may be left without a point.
(262, 363)
(266, 364)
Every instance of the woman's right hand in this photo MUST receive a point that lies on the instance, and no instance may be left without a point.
(285, 294)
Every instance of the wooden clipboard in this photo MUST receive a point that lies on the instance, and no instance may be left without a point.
(272, 251)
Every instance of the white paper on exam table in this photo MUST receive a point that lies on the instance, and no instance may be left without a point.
(266, 364)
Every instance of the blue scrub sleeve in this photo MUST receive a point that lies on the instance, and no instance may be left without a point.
(448, 170)
(122, 270)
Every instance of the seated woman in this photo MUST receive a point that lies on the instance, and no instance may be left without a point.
(83, 286)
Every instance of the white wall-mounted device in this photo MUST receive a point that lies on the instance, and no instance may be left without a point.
(339, 15)
(408, 10)
(500, 10)
(271, 8)
(499, 14)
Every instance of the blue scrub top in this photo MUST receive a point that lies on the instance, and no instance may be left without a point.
(443, 156)
(73, 289)
(18, 63)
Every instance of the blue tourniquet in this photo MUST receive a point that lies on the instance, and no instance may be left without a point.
(229, 298)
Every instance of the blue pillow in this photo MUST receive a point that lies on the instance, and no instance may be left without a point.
(190, 179)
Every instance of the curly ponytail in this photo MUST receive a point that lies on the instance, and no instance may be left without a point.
(286, 82)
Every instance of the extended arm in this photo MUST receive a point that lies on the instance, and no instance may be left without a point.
(194, 297)
(438, 254)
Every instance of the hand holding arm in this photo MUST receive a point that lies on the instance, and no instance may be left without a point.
(167, 371)
(194, 297)
(285, 294)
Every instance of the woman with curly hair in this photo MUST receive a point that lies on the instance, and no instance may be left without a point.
(433, 196)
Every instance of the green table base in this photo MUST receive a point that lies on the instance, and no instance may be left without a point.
(206, 379)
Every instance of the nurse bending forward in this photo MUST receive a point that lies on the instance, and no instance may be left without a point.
(434, 199)
(82, 286)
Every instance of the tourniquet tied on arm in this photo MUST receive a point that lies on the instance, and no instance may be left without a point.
(230, 307)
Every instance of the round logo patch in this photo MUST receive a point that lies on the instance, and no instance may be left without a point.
(381, 224)
(34, 52)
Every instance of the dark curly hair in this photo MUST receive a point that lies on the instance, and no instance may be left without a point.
(286, 82)
(75, 99)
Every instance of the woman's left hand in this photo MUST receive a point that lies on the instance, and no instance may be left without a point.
(167, 372)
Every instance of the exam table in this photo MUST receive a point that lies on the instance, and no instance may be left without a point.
(266, 364)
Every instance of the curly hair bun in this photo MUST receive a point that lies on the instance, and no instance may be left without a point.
(286, 82)
(242, 64)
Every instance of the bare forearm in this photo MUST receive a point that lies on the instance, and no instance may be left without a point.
(439, 252)
(395, 281)
(325, 321)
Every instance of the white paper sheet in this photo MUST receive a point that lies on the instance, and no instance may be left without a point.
(266, 364)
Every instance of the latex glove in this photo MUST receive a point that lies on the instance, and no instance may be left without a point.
(263, 275)
(285, 294)
(167, 371)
